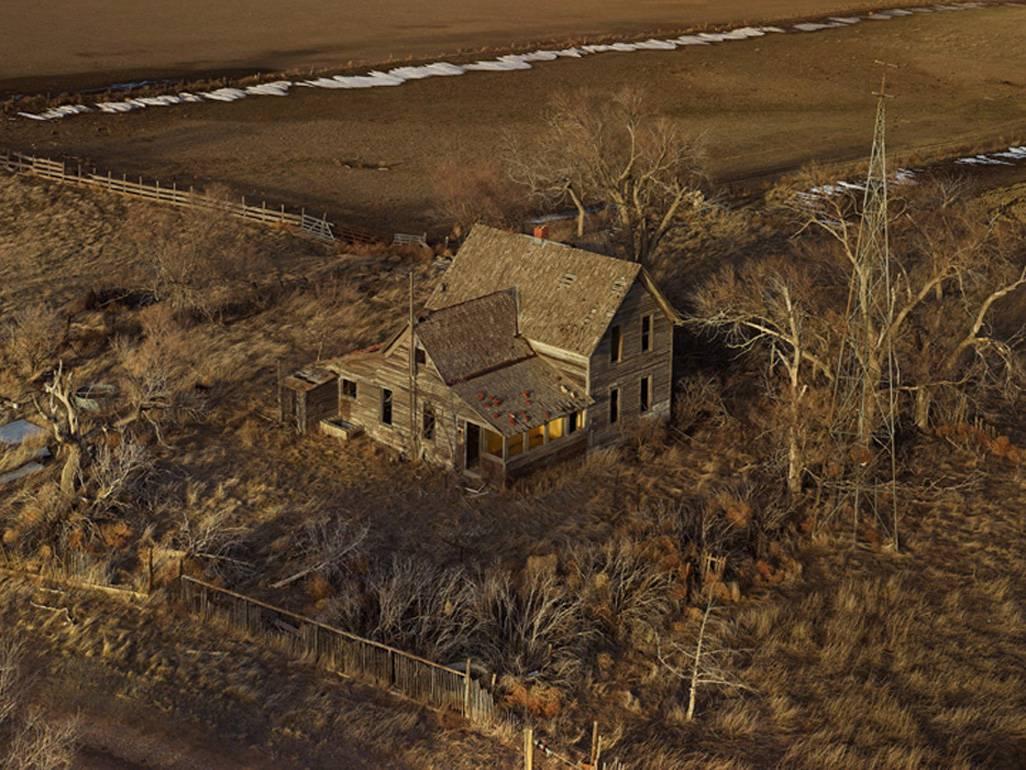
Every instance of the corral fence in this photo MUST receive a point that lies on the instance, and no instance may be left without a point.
(58, 171)
(432, 684)
(409, 239)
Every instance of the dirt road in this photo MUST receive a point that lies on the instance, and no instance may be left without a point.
(66, 44)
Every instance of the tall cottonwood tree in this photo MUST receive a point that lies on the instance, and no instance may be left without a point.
(773, 308)
(593, 151)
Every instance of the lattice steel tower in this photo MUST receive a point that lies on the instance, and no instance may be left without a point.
(864, 415)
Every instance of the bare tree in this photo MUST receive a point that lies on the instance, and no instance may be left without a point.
(702, 663)
(324, 546)
(594, 150)
(772, 306)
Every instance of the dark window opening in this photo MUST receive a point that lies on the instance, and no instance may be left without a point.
(571, 423)
(429, 422)
(348, 388)
(615, 345)
(386, 406)
(420, 356)
(614, 406)
(646, 334)
(646, 394)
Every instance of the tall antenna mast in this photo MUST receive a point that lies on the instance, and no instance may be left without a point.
(865, 390)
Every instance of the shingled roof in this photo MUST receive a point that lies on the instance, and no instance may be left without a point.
(473, 337)
(515, 398)
(567, 296)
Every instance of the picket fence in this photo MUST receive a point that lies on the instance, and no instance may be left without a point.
(433, 684)
(58, 171)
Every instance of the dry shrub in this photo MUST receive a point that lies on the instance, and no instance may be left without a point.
(469, 194)
(31, 339)
(200, 263)
(626, 591)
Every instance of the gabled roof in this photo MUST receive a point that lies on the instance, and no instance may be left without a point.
(567, 296)
(473, 337)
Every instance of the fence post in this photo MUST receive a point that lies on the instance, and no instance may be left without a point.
(595, 741)
(466, 691)
(528, 748)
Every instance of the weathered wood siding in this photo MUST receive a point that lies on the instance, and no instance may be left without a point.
(634, 364)
(446, 448)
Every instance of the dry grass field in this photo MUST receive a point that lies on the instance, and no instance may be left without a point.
(762, 107)
(853, 656)
(61, 48)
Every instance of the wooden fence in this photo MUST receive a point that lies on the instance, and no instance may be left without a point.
(440, 687)
(57, 171)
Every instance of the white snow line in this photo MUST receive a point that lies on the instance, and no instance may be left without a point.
(508, 63)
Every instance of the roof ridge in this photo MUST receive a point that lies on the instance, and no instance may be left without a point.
(629, 264)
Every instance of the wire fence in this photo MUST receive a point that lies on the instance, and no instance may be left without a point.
(58, 171)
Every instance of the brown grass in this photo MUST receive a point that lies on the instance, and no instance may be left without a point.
(856, 657)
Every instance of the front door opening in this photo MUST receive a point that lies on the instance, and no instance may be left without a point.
(473, 439)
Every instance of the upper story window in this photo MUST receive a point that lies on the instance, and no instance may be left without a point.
(348, 388)
(646, 333)
(420, 356)
(615, 345)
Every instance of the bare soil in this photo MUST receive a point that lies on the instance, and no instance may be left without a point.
(764, 107)
(60, 46)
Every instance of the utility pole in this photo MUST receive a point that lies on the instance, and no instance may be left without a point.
(413, 377)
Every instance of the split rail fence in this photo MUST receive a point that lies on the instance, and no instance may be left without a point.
(440, 687)
(58, 171)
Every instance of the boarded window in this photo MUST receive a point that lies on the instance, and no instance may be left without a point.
(515, 445)
(492, 443)
(386, 406)
(615, 345)
(429, 422)
(536, 437)
(646, 394)
(646, 333)
(614, 405)
(348, 389)
(556, 428)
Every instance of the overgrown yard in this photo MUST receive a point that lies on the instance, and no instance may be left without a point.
(582, 588)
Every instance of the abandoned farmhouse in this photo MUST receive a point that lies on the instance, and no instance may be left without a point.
(529, 351)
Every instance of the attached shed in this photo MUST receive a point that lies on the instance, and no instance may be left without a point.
(308, 396)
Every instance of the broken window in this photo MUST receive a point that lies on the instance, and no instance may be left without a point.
(615, 345)
(386, 406)
(646, 394)
(348, 388)
(492, 443)
(428, 428)
(515, 445)
(646, 333)
(614, 405)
